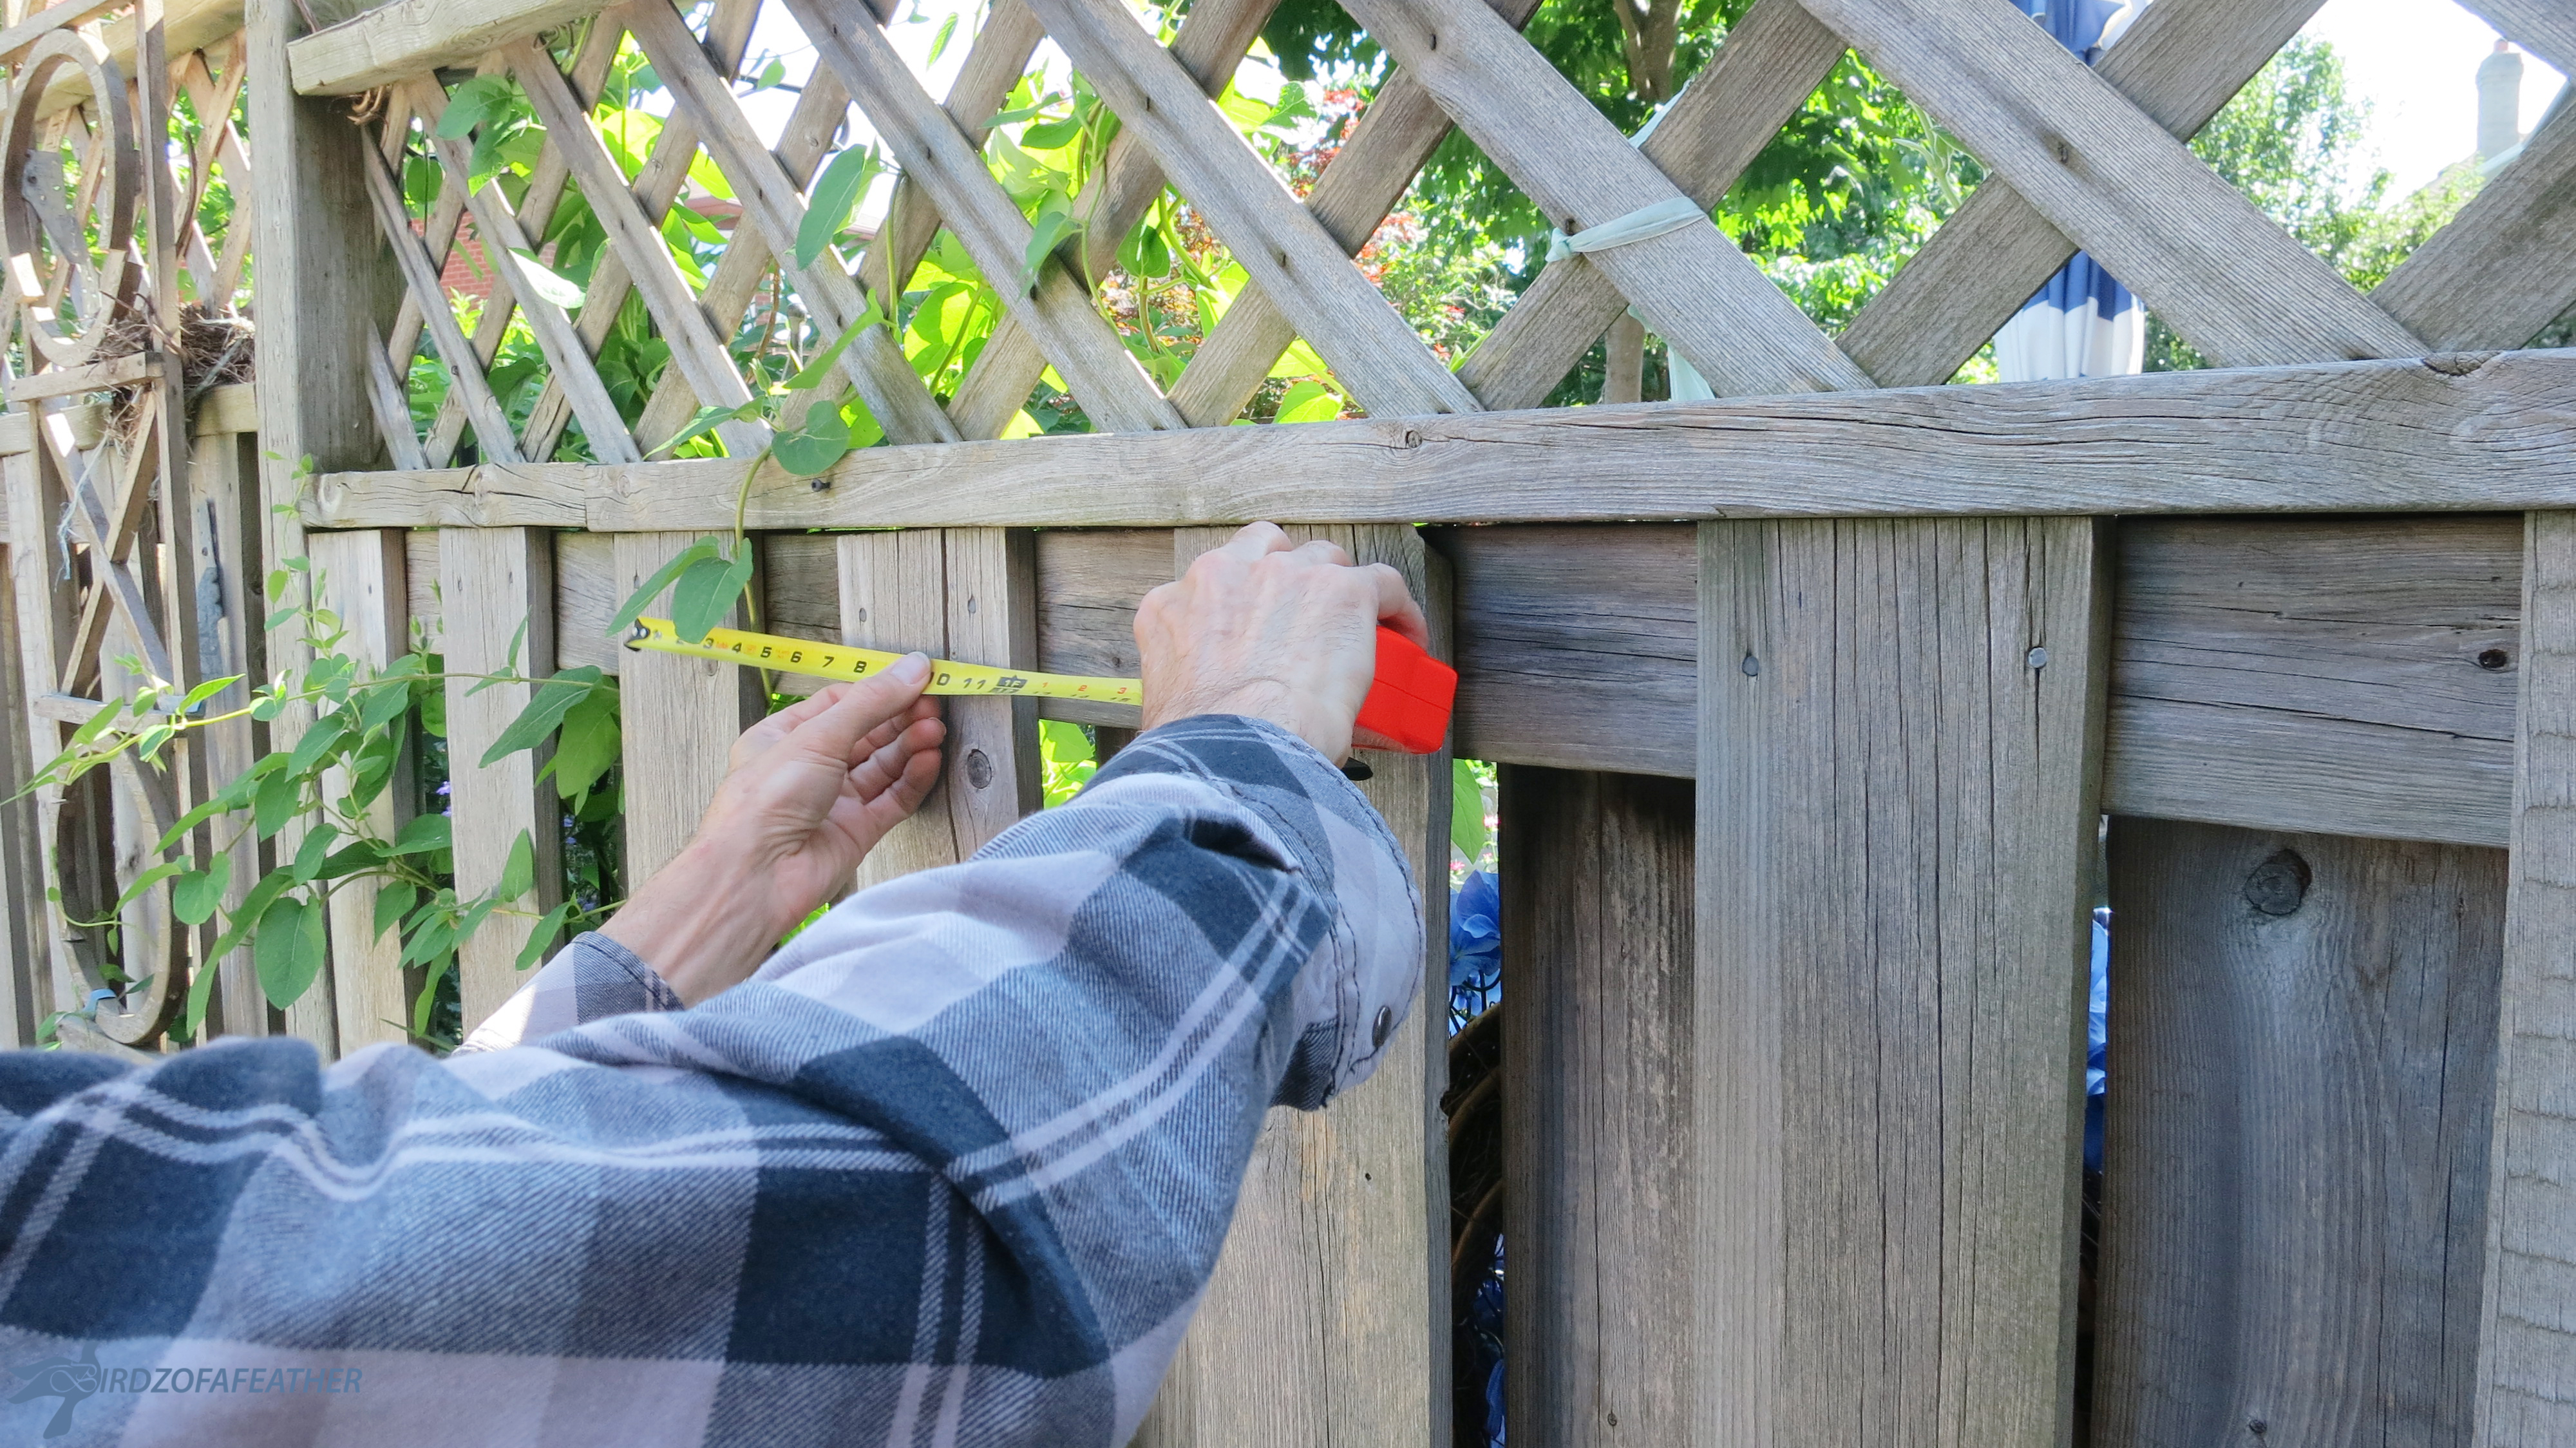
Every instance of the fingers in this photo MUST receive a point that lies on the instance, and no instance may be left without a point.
(891, 763)
(1395, 606)
(852, 712)
(1256, 539)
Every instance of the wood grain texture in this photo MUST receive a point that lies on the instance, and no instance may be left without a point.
(1597, 1106)
(993, 772)
(1772, 60)
(1053, 306)
(2301, 1050)
(25, 953)
(2465, 432)
(2223, 274)
(1554, 621)
(2526, 1386)
(509, 573)
(360, 577)
(1693, 286)
(680, 716)
(2500, 270)
(403, 38)
(1374, 352)
(2180, 63)
(1327, 1320)
(42, 627)
(1896, 812)
(2347, 675)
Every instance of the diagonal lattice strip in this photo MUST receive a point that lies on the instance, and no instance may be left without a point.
(2234, 284)
(1373, 351)
(874, 361)
(1708, 299)
(1052, 306)
(2180, 64)
(1772, 60)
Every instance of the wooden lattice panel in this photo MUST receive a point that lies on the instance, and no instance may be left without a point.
(114, 273)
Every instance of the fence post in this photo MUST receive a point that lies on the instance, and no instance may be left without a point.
(1596, 880)
(2527, 1348)
(321, 271)
(1328, 1318)
(22, 901)
(1899, 730)
(361, 577)
(680, 714)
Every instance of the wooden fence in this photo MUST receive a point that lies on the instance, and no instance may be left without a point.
(1813, 701)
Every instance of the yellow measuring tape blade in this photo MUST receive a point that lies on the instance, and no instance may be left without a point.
(842, 661)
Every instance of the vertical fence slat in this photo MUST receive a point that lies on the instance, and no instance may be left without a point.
(43, 623)
(1896, 803)
(992, 777)
(1596, 875)
(225, 474)
(22, 932)
(361, 577)
(968, 594)
(1327, 1321)
(894, 595)
(507, 574)
(679, 716)
(2527, 1352)
(2302, 1037)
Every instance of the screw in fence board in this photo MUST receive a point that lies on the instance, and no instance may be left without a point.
(500, 593)
(320, 265)
(1597, 916)
(2295, 1175)
(1896, 817)
(360, 576)
(679, 718)
(2526, 1350)
(1327, 1320)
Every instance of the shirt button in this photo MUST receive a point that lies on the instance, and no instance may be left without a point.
(1385, 1026)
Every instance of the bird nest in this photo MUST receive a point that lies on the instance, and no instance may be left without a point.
(212, 349)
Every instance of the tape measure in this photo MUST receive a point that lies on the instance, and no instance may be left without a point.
(1408, 702)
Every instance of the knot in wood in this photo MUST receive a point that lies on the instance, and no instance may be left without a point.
(979, 769)
(2458, 364)
(2279, 886)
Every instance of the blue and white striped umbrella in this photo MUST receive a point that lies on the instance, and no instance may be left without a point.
(2083, 323)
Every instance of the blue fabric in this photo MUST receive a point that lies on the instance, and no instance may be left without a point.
(2077, 25)
(1475, 948)
(954, 1166)
(2097, 1035)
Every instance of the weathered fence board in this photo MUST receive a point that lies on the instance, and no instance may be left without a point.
(1895, 824)
(1327, 1321)
(2462, 432)
(2302, 1042)
(2527, 1345)
(509, 573)
(2345, 675)
(1597, 1110)
(359, 576)
(680, 714)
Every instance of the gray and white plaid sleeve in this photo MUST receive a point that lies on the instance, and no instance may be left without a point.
(953, 1167)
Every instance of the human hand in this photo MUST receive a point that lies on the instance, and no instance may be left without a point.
(1266, 628)
(812, 789)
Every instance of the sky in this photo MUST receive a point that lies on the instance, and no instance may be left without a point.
(2414, 62)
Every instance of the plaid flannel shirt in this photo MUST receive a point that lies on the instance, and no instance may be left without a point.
(952, 1168)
